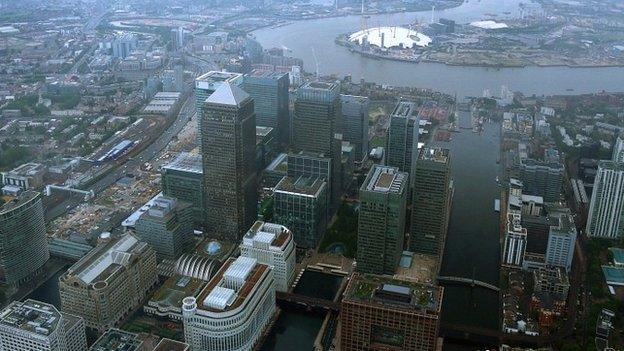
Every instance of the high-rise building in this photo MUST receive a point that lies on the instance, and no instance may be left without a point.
(381, 313)
(167, 226)
(123, 45)
(402, 144)
(306, 164)
(561, 242)
(431, 201)
(515, 241)
(228, 143)
(177, 38)
(23, 244)
(233, 310)
(354, 124)
(208, 83)
(37, 326)
(607, 202)
(317, 117)
(618, 149)
(183, 179)
(269, 89)
(381, 223)
(300, 204)
(273, 245)
(109, 282)
(542, 179)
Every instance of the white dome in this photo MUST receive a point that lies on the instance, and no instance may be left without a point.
(392, 37)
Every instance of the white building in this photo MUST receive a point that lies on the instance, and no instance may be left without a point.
(618, 149)
(605, 209)
(233, 310)
(36, 326)
(273, 245)
(515, 241)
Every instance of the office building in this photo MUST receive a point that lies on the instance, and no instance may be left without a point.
(402, 144)
(300, 204)
(228, 143)
(108, 283)
(273, 245)
(177, 38)
(515, 243)
(561, 242)
(183, 179)
(269, 89)
(266, 146)
(167, 226)
(386, 314)
(123, 45)
(542, 179)
(307, 164)
(208, 83)
(24, 177)
(119, 340)
(618, 149)
(23, 244)
(607, 202)
(37, 326)
(234, 309)
(354, 123)
(431, 201)
(381, 223)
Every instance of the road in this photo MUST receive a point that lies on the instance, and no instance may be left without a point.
(149, 153)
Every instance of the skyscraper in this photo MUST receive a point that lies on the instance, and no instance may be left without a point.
(607, 202)
(380, 313)
(515, 243)
(354, 124)
(618, 149)
(402, 145)
(228, 143)
(561, 241)
(183, 179)
(381, 223)
(206, 84)
(431, 201)
(300, 204)
(23, 244)
(167, 226)
(542, 178)
(269, 89)
(37, 326)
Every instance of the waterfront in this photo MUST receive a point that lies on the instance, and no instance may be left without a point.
(49, 290)
(465, 81)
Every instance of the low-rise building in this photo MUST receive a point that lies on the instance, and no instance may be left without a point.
(24, 177)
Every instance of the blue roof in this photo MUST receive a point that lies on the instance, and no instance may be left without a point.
(618, 255)
(613, 275)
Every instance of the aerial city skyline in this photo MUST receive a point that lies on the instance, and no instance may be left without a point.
(211, 175)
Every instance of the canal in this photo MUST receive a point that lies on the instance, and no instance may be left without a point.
(49, 291)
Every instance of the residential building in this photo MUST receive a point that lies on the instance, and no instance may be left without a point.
(386, 314)
(24, 177)
(300, 204)
(228, 143)
(542, 179)
(431, 201)
(23, 245)
(381, 222)
(123, 45)
(233, 310)
(183, 179)
(269, 89)
(607, 202)
(618, 149)
(38, 326)
(108, 283)
(167, 226)
(402, 143)
(561, 243)
(354, 123)
(273, 245)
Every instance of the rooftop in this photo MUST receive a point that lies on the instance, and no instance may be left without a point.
(16, 202)
(218, 76)
(26, 170)
(386, 180)
(228, 94)
(404, 109)
(171, 345)
(320, 86)
(401, 294)
(115, 339)
(618, 255)
(275, 235)
(434, 154)
(31, 316)
(306, 186)
(262, 73)
(186, 162)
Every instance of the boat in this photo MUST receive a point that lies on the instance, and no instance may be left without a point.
(496, 205)
(497, 179)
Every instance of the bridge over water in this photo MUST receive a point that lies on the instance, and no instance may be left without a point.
(468, 281)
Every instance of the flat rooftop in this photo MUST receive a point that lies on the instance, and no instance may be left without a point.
(26, 170)
(31, 316)
(115, 339)
(16, 202)
(395, 293)
(218, 76)
(262, 73)
(275, 235)
(306, 186)
(171, 345)
(175, 289)
(404, 109)
(186, 162)
(437, 154)
(320, 86)
(386, 180)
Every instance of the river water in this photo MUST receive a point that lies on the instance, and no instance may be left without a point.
(306, 38)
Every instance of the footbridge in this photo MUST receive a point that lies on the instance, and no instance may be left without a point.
(468, 281)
